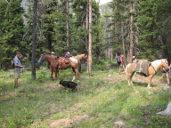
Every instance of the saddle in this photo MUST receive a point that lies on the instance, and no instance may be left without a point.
(142, 67)
(62, 61)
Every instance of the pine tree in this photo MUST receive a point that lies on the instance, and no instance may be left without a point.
(12, 29)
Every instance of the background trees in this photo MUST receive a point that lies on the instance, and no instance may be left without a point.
(137, 27)
(11, 31)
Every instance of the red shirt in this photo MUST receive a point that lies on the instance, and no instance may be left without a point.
(122, 58)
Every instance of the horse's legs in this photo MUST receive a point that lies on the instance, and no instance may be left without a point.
(74, 74)
(51, 69)
(77, 73)
(168, 79)
(163, 75)
(129, 78)
(150, 80)
(56, 74)
(79, 67)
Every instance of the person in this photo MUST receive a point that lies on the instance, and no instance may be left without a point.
(118, 59)
(17, 68)
(53, 53)
(122, 59)
(133, 58)
(68, 55)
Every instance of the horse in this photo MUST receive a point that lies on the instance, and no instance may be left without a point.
(153, 68)
(52, 60)
(81, 58)
(72, 62)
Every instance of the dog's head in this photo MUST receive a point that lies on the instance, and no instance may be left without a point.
(61, 81)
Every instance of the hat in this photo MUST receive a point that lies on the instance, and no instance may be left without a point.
(52, 53)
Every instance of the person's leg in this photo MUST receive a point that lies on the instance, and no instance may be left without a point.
(119, 65)
(17, 76)
(16, 83)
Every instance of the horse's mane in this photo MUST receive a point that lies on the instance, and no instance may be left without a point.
(158, 62)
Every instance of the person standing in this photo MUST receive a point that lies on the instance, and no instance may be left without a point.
(122, 58)
(118, 59)
(17, 68)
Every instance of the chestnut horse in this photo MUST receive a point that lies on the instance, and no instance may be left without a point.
(152, 70)
(51, 59)
(72, 62)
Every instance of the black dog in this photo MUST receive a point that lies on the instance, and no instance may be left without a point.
(69, 84)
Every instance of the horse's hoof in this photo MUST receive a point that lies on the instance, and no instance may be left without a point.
(149, 87)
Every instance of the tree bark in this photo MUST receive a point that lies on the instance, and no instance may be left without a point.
(87, 24)
(132, 33)
(34, 39)
(67, 22)
(123, 40)
(90, 39)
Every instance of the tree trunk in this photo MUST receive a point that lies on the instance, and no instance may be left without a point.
(132, 33)
(34, 39)
(67, 22)
(123, 40)
(90, 39)
(87, 24)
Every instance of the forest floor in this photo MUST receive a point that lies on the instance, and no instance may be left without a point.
(103, 100)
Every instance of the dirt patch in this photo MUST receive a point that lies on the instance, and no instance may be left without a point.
(67, 122)
(143, 79)
(61, 123)
(119, 124)
(114, 79)
(136, 78)
(8, 95)
(52, 108)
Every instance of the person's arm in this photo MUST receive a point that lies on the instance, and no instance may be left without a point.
(17, 65)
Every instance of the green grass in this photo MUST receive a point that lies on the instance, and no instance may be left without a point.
(104, 97)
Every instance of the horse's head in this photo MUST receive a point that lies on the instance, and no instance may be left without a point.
(164, 64)
(84, 57)
(42, 58)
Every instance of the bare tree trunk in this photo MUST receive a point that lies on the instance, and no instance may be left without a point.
(87, 24)
(34, 39)
(67, 24)
(132, 33)
(90, 39)
(123, 40)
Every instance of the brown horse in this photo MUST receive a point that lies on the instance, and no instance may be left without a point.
(152, 70)
(72, 62)
(52, 60)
